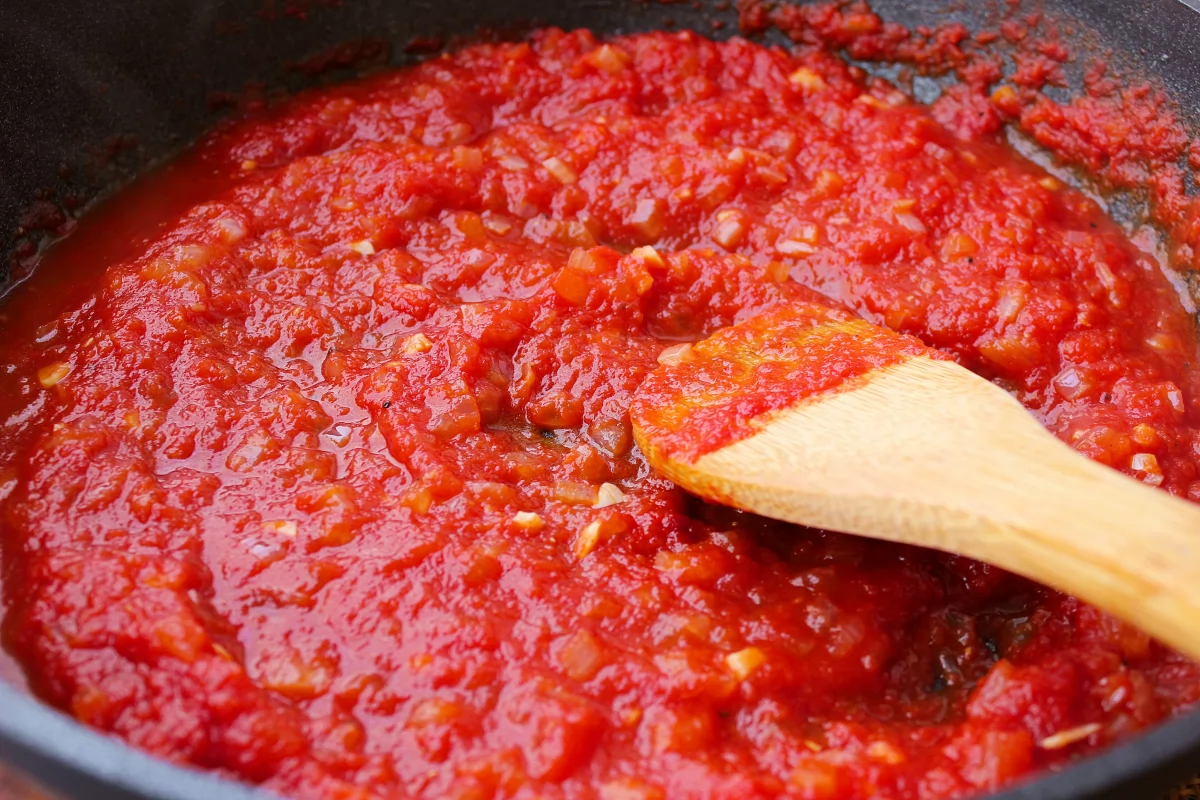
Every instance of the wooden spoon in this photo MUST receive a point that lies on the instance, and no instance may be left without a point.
(831, 422)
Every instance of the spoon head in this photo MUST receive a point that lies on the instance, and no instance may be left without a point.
(729, 386)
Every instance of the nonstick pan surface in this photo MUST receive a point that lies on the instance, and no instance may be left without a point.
(95, 92)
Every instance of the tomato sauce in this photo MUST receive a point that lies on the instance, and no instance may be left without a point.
(706, 396)
(327, 484)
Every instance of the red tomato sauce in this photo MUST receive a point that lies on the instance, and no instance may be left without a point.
(327, 482)
(723, 389)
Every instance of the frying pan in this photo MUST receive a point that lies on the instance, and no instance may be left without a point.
(94, 92)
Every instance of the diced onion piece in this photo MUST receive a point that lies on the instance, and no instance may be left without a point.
(497, 225)
(433, 712)
(571, 285)
(959, 245)
(340, 435)
(769, 174)
(871, 101)
(608, 495)
(52, 374)
(1146, 468)
(469, 159)
(1104, 444)
(860, 22)
(805, 78)
(528, 520)
(458, 133)
(630, 788)
(515, 163)
(282, 527)
(745, 662)
(1105, 275)
(793, 247)
(574, 493)
(608, 58)
(649, 256)
(587, 540)
(470, 224)
(911, 221)
(647, 217)
(417, 343)
(364, 247)
(418, 499)
(1146, 436)
(1069, 737)
(232, 230)
(1009, 303)
(1163, 342)
(1005, 97)
(581, 656)
(1175, 397)
(560, 169)
(586, 261)
(828, 183)
(675, 354)
(807, 232)
(777, 271)
(886, 752)
(577, 233)
(730, 229)
(816, 779)
(1073, 382)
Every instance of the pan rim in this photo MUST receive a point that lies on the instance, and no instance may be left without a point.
(66, 755)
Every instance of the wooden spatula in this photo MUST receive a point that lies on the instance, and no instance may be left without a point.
(842, 425)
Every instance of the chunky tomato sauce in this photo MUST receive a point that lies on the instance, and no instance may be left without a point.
(327, 484)
(725, 388)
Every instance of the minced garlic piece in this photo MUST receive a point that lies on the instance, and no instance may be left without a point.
(609, 495)
(364, 246)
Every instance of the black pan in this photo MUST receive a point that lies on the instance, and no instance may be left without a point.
(93, 92)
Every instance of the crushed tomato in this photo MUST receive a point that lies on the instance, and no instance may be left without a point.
(328, 484)
(706, 396)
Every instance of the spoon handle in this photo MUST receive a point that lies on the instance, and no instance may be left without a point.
(930, 454)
